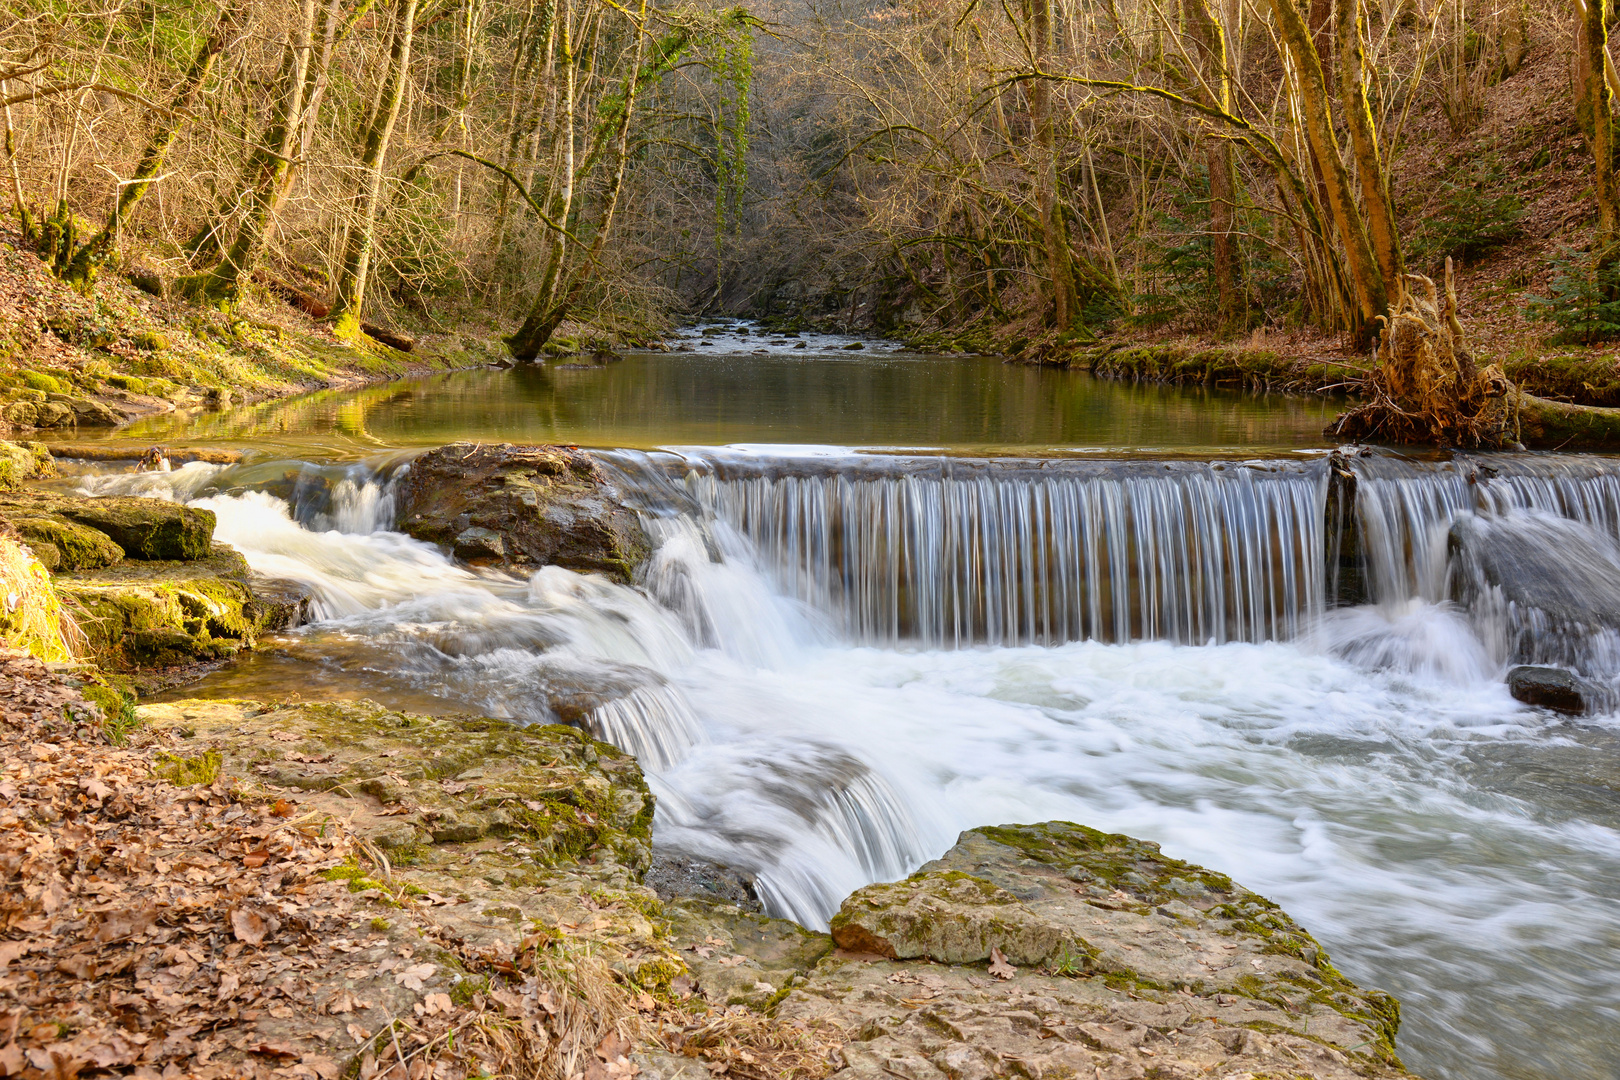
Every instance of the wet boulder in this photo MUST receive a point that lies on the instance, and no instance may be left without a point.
(521, 507)
(1550, 688)
(1565, 570)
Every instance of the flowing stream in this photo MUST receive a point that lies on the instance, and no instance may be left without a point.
(834, 662)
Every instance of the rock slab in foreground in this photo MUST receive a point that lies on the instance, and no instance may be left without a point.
(1129, 964)
(520, 506)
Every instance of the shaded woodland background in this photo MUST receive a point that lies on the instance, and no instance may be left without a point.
(1009, 176)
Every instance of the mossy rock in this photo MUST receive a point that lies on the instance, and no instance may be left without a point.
(36, 380)
(143, 528)
(533, 798)
(164, 623)
(20, 463)
(66, 545)
(948, 917)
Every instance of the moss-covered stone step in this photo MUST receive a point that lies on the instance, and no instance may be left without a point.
(141, 528)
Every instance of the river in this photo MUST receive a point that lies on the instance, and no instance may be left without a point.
(895, 597)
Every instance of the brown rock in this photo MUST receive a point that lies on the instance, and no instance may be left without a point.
(521, 506)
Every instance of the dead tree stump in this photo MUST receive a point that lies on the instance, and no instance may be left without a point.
(1425, 387)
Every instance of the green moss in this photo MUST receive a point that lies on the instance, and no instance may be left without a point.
(118, 718)
(20, 462)
(66, 545)
(183, 771)
(133, 383)
(379, 925)
(467, 987)
(35, 380)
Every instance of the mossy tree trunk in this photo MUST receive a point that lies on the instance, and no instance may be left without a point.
(1358, 119)
(267, 169)
(1594, 110)
(1371, 291)
(351, 286)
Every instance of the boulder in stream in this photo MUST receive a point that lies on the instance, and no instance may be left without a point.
(1550, 688)
(522, 507)
(1566, 570)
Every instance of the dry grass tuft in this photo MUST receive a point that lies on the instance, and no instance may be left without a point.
(752, 1046)
(31, 617)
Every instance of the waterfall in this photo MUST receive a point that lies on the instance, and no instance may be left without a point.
(948, 553)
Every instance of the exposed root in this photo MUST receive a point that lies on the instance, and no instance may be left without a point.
(1425, 387)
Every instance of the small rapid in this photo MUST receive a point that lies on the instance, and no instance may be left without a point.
(832, 664)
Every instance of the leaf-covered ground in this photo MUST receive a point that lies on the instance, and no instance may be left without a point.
(168, 909)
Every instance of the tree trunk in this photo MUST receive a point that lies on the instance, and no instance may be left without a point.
(1386, 242)
(1209, 39)
(351, 287)
(1594, 109)
(549, 309)
(222, 285)
(1049, 201)
(1372, 297)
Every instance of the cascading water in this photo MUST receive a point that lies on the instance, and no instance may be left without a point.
(943, 552)
(835, 663)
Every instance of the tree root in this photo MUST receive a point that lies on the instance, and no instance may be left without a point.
(1426, 387)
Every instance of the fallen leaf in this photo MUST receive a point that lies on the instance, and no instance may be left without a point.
(275, 1050)
(282, 808)
(57, 1061)
(612, 1047)
(229, 984)
(732, 961)
(681, 986)
(250, 927)
(437, 1003)
(95, 789)
(343, 1002)
(118, 925)
(324, 1067)
(283, 736)
(255, 859)
(358, 1033)
(703, 951)
(999, 966)
(12, 1059)
(413, 977)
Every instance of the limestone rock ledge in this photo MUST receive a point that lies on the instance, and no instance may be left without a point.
(1123, 964)
(145, 582)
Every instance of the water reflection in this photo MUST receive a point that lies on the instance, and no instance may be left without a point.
(863, 400)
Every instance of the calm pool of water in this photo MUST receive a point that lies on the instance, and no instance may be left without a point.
(744, 389)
